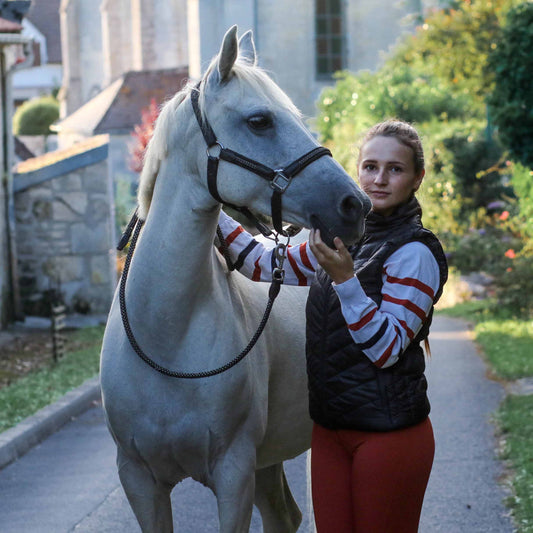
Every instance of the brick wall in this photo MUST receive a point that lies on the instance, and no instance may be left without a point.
(65, 228)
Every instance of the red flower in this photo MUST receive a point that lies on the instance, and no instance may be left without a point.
(504, 215)
(510, 253)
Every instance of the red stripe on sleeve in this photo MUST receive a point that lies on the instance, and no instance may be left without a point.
(386, 354)
(407, 304)
(408, 330)
(365, 320)
(412, 282)
(305, 257)
(233, 235)
(256, 276)
(302, 280)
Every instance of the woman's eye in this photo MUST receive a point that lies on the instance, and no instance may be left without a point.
(396, 169)
(260, 122)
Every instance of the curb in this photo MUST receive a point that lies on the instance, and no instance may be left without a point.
(18, 440)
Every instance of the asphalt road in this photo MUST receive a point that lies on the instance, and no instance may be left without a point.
(69, 482)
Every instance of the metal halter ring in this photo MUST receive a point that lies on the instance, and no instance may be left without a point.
(220, 146)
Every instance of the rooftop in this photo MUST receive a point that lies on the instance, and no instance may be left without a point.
(117, 109)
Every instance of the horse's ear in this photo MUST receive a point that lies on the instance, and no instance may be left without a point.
(228, 53)
(247, 48)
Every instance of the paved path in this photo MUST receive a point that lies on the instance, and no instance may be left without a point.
(69, 482)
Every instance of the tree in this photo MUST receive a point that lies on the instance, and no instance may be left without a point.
(35, 116)
(511, 103)
(455, 44)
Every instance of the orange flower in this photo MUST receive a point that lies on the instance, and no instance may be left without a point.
(509, 269)
(510, 253)
(504, 215)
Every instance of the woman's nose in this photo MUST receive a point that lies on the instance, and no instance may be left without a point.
(381, 177)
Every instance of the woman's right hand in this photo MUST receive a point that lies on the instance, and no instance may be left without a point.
(337, 263)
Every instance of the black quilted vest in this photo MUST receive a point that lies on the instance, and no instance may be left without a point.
(346, 390)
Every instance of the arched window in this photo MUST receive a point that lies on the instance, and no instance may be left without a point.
(329, 37)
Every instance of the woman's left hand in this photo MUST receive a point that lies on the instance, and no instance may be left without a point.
(337, 263)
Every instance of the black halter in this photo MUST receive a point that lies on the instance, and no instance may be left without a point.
(279, 179)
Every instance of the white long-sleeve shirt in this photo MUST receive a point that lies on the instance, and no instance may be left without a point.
(410, 280)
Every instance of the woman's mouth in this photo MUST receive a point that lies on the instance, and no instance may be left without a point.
(379, 194)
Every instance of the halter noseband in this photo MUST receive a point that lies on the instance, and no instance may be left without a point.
(279, 179)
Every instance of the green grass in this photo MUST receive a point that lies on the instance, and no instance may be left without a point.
(25, 396)
(516, 423)
(506, 341)
(508, 345)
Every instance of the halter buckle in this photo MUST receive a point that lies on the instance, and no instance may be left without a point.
(280, 182)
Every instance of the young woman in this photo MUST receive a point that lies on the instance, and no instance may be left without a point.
(369, 308)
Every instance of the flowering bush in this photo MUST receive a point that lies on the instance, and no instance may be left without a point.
(142, 134)
(514, 285)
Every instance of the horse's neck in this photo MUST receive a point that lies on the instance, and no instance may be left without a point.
(174, 267)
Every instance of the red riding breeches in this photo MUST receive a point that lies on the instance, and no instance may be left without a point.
(370, 482)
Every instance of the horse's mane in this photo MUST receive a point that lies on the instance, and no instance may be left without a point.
(157, 149)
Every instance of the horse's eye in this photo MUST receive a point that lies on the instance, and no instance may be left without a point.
(260, 122)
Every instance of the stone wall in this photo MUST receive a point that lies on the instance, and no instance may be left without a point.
(65, 228)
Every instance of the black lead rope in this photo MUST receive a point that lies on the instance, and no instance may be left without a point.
(137, 224)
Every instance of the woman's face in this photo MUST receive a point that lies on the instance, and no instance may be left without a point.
(387, 173)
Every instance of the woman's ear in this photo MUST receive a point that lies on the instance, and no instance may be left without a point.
(418, 180)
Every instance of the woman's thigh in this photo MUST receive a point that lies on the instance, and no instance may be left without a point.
(390, 472)
(369, 482)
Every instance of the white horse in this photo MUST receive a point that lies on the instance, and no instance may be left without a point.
(231, 431)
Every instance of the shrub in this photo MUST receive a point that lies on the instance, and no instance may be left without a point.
(484, 249)
(511, 103)
(514, 285)
(35, 116)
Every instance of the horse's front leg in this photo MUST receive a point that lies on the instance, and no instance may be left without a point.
(234, 487)
(149, 499)
(273, 497)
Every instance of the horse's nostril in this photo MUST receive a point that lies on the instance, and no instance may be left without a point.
(352, 207)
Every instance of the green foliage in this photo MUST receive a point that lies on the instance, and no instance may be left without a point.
(35, 116)
(516, 425)
(522, 182)
(514, 284)
(507, 345)
(484, 250)
(477, 162)
(455, 44)
(511, 103)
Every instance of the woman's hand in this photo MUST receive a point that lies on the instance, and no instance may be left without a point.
(337, 263)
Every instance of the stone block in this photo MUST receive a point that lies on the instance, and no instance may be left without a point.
(99, 210)
(42, 209)
(63, 268)
(100, 270)
(85, 239)
(69, 182)
(73, 202)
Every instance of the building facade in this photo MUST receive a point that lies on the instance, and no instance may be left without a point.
(301, 42)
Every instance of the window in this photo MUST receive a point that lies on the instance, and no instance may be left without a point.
(329, 31)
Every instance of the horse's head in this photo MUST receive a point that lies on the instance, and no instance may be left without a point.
(249, 114)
